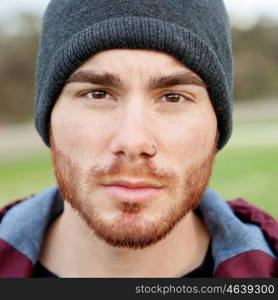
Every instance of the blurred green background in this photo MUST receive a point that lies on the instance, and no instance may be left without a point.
(247, 167)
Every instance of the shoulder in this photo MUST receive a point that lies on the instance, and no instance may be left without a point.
(22, 227)
(244, 237)
(9, 205)
(252, 214)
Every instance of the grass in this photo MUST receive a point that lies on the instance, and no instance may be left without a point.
(250, 172)
(24, 176)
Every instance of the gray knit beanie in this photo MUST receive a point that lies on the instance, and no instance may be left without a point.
(196, 32)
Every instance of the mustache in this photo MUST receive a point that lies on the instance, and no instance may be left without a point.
(117, 168)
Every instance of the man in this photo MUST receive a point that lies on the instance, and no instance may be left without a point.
(134, 100)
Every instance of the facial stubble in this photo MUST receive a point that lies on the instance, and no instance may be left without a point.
(131, 234)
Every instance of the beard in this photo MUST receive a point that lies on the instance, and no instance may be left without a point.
(129, 228)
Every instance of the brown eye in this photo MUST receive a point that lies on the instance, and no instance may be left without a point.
(174, 98)
(97, 94)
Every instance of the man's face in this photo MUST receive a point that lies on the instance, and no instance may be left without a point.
(113, 113)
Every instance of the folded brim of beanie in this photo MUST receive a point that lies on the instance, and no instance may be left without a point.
(135, 33)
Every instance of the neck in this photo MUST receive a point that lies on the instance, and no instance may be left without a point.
(70, 249)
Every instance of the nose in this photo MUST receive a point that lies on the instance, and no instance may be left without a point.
(133, 136)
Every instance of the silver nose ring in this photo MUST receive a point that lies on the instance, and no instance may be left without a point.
(154, 150)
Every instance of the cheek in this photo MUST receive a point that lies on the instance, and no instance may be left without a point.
(78, 135)
(190, 139)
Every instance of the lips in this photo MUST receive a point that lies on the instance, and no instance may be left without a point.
(128, 191)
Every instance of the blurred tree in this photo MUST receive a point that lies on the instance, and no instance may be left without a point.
(256, 61)
(17, 68)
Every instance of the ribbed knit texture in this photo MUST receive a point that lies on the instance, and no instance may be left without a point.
(196, 32)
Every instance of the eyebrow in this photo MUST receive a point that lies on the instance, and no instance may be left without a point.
(95, 78)
(158, 81)
(180, 78)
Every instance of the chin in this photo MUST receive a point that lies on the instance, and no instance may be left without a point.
(126, 217)
(131, 226)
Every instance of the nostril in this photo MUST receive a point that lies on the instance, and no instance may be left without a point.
(135, 150)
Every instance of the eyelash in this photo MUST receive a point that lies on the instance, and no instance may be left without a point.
(93, 91)
(186, 98)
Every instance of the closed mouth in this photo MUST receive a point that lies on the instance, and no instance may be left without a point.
(132, 191)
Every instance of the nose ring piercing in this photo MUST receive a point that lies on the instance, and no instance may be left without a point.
(154, 150)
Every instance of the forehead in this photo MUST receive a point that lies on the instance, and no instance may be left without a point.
(121, 67)
(118, 67)
(134, 60)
